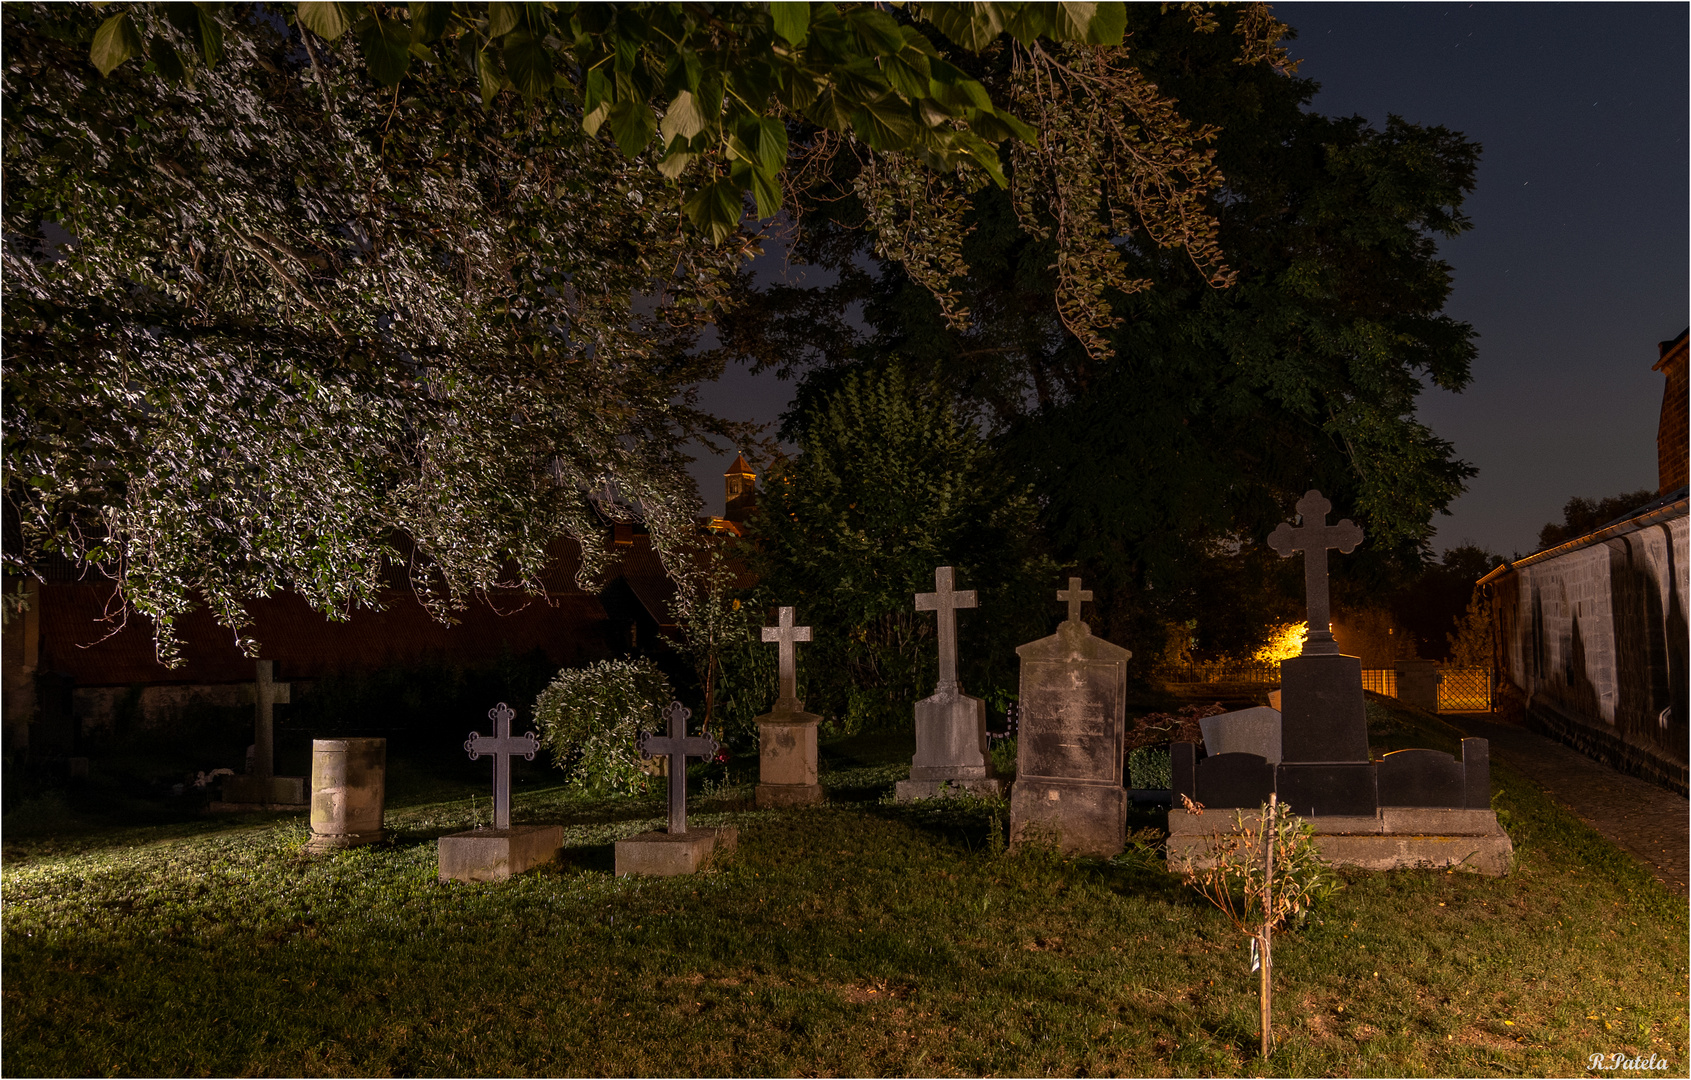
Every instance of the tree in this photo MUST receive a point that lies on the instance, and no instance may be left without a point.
(356, 288)
(888, 484)
(1583, 516)
(289, 346)
(1172, 423)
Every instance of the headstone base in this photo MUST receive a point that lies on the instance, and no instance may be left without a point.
(337, 841)
(1395, 838)
(909, 790)
(774, 796)
(273, 793)
(662, 854)
(498, 854)
(1080, 819)
(787, 752)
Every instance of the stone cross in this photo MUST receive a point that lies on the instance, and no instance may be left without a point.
(786, 635)
(1074, 596)
(1313, 540)
(501, 745)
(267, 692)
(678, 746)
(945, 601)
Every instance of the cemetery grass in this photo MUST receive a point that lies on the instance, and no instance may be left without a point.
(858, 938)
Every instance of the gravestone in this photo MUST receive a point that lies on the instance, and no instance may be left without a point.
(261, 788)
(504, 850)
(1244, 731)
(680, 850)
(1414, 808)
(1069, 751)
(348, 792)
(786, 733)
(950, 725)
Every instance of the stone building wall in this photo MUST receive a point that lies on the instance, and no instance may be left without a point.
(1595, 639)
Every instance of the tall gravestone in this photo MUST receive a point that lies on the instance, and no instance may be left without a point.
(1412, 808)
(786, 733)
(1324, 765)
(262, 787)
(504, 850)
(681, 850)
(1069, 750)
(950, 725)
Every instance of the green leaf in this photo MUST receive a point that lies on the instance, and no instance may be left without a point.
(165, 57)
(1028, 22)
(885, 124)
(766, 193)
(792, 21)
(676, 159)
(973, 26)
(715, 209)
(488, 75)
(950, 86)
(908, 79)
(1108, 25)
(529, 64)
(682, 118)
(632, 125)
(387, 48)
(114, 42)
(428, 20)
(876, 31)
(501, 19)
(327, 20)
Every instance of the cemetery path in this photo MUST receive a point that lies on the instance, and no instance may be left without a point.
(1650, 822)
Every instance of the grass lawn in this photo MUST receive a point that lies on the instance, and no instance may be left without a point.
(856, 938)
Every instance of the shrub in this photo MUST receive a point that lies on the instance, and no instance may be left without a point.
(1148, 768)
(589, 718)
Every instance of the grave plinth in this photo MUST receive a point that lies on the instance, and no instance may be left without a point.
(951, 756)
(662, 854)
(497, 854)
(348, 792)
(787, 734)
(1322, 718)
(1418, 683)
(680, 850)
(1069, 748)
(1391, 838)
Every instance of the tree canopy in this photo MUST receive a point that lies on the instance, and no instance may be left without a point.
(1167, 424)
(355, 288)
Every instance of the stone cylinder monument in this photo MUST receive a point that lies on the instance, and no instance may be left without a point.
(348, 792)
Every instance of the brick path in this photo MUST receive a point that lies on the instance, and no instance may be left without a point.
(1650, 822)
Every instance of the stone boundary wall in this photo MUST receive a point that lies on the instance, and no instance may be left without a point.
(1596, 640)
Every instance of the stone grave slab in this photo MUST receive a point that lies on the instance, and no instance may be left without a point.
(951, 748)
(348, 792)
(1069, 748)
(786, 733)
(1466, 840)
(680, 850)
(1235, 780)
(505, 850)
(1244, 731)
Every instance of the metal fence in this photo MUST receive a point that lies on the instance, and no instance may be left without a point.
(1460, 689)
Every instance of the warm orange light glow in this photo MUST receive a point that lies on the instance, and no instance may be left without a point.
(1285, 641)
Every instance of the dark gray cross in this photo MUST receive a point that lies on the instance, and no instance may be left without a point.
(678, 746)
(785, 635)
(267, 692)
(500, 746)
(1313, 540)
(1074, 596)
(945, 601)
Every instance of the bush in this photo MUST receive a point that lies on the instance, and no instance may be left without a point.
(589, 718)
(1148, 768)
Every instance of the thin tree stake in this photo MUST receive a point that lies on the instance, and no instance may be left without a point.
(1267, 993)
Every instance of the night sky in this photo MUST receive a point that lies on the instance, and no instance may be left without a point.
(1577, 262)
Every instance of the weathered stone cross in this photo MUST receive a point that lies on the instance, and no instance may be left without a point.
(1075, 595)
(945, 601)
(501, 746)
(786, 635)
(678, 746)
(267, 692)
(1313, 540)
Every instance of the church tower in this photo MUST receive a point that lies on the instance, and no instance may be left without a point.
(740, 490)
